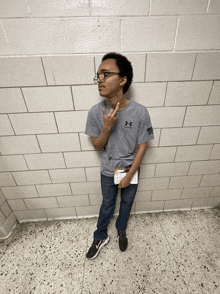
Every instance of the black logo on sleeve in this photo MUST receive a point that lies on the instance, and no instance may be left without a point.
(128, 124)
(150, 131)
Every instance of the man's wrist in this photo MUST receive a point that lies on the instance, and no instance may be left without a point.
(129, 175)
(106, 128)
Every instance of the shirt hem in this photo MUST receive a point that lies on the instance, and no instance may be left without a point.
(110, 176)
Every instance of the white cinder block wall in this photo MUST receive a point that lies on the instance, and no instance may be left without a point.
(49, 53)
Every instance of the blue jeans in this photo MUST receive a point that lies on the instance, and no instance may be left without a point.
(109, 192)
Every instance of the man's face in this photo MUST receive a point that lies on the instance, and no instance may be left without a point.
(110, 85)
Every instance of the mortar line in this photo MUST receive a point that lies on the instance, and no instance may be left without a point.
(25, 203)
(70, 18)
(150, 7)
(200, 180)
(94, 66)
(208, 5)
(11, 172)
(177, 27)
(90, 9)
(56, 123)
(120, 35)
(102, 53)
(175, 154)
(71, 90)
(190, 163)
(80, 144)
(48, 171)
(35, 186)
(38, 143)
(194, 66)
(28, 6)
(145, 70)
(165, 96)
(210, 92)
(213, 145)
(160, 137)
(200, 129)
(64, 161)
(41, 58)
(11, 124)
(184, 116)
(22, 93)
(91, 84)
(4, 31)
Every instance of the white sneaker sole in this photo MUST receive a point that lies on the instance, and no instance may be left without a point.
(102, 245)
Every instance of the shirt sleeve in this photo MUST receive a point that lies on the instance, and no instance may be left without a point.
(92, 128)
(145, 132)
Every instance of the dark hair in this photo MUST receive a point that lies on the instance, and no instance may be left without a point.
(124, 65)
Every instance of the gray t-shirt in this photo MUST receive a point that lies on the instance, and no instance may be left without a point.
(132, 127)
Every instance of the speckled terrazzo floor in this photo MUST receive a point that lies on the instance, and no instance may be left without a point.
(173, 252)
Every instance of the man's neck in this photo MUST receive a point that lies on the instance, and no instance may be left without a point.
(112, 102)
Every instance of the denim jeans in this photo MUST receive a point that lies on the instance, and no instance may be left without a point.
(109, 192)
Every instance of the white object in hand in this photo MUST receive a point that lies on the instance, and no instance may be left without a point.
(120, 174)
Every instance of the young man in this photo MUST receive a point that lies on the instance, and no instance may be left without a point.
(120, 129)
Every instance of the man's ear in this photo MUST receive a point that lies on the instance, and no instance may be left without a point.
(124, 81)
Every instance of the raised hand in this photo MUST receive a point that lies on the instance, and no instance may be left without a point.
(110, 118)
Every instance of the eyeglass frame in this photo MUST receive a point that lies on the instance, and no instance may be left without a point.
(95, 79)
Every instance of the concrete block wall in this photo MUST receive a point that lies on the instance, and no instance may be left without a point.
(49, 54)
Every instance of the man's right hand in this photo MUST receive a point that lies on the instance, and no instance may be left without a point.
(109, 121)
(110, 118)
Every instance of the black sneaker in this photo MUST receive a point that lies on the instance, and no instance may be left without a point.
(123, 242)
(96, 247)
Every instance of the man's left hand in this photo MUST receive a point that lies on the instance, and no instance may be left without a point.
(125, 182)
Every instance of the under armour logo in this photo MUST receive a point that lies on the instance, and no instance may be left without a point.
(128, 123)
(150, 131)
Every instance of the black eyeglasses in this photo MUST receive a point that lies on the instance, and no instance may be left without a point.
(103, 75)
